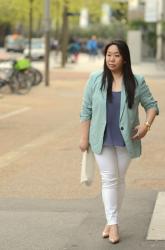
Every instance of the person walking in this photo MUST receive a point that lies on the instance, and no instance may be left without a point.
(92, 47)
(110, 124)
(73, 50)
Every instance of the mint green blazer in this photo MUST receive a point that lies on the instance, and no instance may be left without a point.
(94, 109)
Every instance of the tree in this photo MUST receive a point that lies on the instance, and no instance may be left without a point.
(16, 12)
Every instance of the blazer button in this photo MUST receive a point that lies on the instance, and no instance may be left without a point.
(122, 128)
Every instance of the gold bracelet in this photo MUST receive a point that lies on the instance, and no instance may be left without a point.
(148, 125)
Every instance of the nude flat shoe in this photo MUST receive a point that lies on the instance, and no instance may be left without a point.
(114, 241)
(114, 234)
(105, 233)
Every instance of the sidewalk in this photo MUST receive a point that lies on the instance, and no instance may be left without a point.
(42, 204)
(148, 69)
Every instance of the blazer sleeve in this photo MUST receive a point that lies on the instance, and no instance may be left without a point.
(86, 107)
(146, 99)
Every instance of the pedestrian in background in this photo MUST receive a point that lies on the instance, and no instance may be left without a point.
(73, 50)
(92, 47)
(110, 124)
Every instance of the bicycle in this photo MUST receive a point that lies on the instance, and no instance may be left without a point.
(34, 74)
(19, 81)
(38, 77)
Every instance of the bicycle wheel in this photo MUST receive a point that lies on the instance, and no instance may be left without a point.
(21, 82)
(38, 77)
(30, 74)
(13, 82)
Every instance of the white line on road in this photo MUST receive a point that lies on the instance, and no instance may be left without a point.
(16, 112)
(20, 152)
(157, 226)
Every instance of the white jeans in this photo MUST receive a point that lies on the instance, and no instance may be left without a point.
(113, 163)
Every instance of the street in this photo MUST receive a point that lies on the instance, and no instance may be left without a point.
(42, 126)
(43, 205)
(40, 167)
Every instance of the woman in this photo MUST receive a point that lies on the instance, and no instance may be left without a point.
(110, 124)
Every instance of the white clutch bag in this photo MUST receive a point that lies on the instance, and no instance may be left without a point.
(87, 167)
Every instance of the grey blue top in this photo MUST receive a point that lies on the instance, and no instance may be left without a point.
(112, 135)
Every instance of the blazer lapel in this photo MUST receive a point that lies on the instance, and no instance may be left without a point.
(123, 100)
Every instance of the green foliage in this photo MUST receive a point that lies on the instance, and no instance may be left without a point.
(137, 24)
(108, 32)
(163, 25)
(148, 33)
(17, 11)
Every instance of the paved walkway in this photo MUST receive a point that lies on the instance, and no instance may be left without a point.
(85, 64)
(42, 204)
(41, 224)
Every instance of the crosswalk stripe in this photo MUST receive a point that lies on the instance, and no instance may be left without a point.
(157, 225)
(16, 112)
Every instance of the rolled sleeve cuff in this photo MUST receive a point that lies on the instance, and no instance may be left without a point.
(153, 106)
(84, 118)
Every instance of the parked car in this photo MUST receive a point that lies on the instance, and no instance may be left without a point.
(37, 49)
(15, 43)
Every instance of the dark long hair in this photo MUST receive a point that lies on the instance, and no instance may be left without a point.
(128, 77)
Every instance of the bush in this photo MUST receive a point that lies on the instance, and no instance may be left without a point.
(105, 32)
(148, 35)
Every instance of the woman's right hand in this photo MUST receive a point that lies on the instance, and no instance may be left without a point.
(84, 144)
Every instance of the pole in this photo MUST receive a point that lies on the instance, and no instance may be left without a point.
(47, 39)
(159, 42)
(64, 34)
(159, 31)
(30, 26)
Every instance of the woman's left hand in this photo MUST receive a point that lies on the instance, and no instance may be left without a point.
(140, 131)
